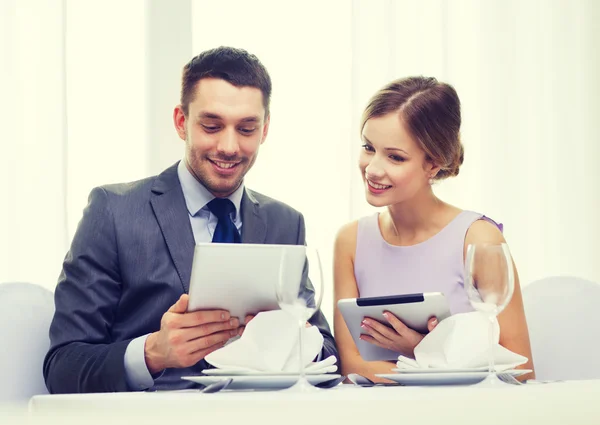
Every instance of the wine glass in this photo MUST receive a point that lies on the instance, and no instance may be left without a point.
(489, 283)
(299, 292)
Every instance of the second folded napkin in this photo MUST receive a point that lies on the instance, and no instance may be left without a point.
(461, 341)
(270, 344)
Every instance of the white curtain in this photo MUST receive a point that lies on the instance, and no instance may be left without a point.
(83, 84)
(528, 77)
(90, 93)
(33, 233)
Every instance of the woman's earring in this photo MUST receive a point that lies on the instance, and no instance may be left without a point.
(430, 180)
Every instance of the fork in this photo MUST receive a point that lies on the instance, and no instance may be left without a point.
(215, 387)
(508, 378)
(363, 381)
(331, 383)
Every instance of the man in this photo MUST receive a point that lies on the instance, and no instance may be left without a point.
(121, 302)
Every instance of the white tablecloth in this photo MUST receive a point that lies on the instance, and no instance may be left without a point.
(575, 402)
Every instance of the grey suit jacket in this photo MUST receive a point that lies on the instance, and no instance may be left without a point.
(129, 261)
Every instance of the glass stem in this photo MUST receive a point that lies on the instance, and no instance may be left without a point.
(300, 351)
(492, 346)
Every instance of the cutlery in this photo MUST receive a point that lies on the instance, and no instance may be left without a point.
(332, 383)
(215, 387)
(508, 378)
(362, 381)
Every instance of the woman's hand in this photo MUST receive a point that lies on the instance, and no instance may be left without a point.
(400, 338)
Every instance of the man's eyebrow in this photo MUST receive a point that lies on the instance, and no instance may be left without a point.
(209, 115)
(250, 119)
(213, 116)
(387, 149)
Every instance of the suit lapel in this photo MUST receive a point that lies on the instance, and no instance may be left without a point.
(254, 225)
(171, 213)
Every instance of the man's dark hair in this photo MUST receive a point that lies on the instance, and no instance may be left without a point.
(236, 66)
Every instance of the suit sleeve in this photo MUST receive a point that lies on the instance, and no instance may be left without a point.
(318, 319)
(82, 357)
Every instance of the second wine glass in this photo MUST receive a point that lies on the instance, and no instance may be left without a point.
(301, 296)
(489, 283)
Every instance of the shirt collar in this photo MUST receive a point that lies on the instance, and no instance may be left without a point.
(197, 196)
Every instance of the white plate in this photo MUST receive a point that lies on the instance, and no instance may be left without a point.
(260, 382)
(444, 378)
(513, 372)
(233, 372)
(440, 370)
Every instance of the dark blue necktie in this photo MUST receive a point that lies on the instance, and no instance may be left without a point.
(225, 232)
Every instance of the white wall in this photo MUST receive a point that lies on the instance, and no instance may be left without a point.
(526, 72)
(306, 160)
(33, 234)
(106, 96)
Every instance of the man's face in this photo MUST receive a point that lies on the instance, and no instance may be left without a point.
(224, 128)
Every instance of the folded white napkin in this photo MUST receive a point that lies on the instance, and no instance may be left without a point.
(461, 342)
(270, 344)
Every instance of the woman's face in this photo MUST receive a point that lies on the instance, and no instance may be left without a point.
(392, 164)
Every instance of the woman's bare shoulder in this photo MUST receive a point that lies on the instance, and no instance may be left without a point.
(345, 240)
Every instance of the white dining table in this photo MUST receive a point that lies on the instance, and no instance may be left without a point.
(572, 402)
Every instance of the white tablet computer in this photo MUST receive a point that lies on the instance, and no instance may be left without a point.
(414, 310)
(241, 278)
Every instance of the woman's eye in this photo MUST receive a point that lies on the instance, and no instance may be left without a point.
(396, 158)
(368, 148)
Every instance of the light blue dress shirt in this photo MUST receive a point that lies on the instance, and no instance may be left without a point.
(203, 226)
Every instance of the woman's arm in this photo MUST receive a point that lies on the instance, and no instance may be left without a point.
(514, 334)
(345, 287)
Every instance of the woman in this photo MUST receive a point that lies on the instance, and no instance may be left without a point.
(411, 138)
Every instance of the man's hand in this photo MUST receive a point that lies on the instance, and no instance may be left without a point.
(246, 321)
(400, 338)
(186, 338)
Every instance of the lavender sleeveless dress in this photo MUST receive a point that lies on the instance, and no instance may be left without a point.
(435, 265)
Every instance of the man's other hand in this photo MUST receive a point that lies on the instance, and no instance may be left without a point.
(186, 338)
